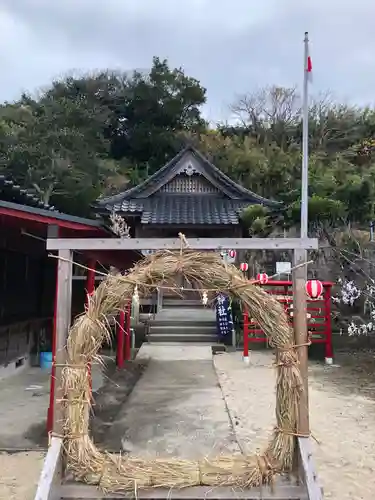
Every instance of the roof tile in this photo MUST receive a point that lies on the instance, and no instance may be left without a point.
(171, 209)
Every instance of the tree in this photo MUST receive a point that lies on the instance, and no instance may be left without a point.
(142, 114)
(155, 109)
(94, 134)
(269, 113)
(57, 148)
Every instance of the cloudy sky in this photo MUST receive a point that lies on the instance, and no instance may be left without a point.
(231, 46)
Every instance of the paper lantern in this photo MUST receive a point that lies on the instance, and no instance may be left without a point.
(262, 278)
(244, 266)
(314, 288)
(232, 254)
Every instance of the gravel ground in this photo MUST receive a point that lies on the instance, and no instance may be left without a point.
(342, 411)
(19, 475)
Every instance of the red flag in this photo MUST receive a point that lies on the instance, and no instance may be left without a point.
(309, 65)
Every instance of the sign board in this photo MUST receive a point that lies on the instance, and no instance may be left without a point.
(283, 267)
(224, 319)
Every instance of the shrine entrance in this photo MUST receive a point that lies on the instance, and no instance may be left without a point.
(290, 438)
(190, 195)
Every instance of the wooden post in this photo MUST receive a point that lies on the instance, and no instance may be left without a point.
(90, 289)
(300, 336)
(53, 232)
(63, 318)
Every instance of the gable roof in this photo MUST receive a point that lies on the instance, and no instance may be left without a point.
(152, 185)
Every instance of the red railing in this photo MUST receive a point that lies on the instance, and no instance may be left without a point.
(319, 322)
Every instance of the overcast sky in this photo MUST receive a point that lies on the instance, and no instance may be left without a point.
(231, 46)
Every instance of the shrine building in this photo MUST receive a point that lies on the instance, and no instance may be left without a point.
(189, 194)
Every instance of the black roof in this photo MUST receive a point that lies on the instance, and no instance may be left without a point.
(183, 209)
(12, 192)
(156, 207)
(13, 197)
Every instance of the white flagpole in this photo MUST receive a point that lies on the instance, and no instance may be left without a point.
(305, 143)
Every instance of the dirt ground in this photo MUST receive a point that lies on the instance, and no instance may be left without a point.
(342, 412)
(342, 409)
(19, 475)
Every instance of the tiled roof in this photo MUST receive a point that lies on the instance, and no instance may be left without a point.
(183, 209)
(12, 192)
(181, 203)
(163, 175)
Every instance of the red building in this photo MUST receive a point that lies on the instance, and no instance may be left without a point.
(28, 274)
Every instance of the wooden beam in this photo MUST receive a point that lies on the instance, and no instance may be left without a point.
(51, 476)
(310, 479)
(63, 317)
(301, 337)
(175, 243)
(283, 492)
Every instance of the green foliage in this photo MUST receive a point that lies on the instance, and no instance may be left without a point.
(321, 210)
(96, 134)
(256, 219)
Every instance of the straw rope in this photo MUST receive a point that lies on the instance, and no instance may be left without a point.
(114, 473)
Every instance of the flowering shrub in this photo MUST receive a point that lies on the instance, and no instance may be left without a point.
(348, 295)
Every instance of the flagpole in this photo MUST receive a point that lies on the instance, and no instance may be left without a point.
(305, 143)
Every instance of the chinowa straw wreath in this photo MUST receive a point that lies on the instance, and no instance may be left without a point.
(115, 473)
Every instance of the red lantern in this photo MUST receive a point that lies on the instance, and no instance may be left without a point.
(314, 288)
(244, 266)
(262, 278)
(232, 254)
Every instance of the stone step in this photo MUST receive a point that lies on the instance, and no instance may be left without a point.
(184, 322)
(182, 330)
(182, 303)
(185, 338)
(186, 313)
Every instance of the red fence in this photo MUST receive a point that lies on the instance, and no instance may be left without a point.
(319, 320)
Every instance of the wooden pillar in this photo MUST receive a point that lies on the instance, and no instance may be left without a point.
(53, 369)
(63, 318)
(90, 288)
(53, 232)
(120, 340)
(301, 337)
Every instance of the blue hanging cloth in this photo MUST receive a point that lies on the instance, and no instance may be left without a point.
(224, 318)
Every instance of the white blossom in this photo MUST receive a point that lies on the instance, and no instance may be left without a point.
(349, 293)
(119, 225)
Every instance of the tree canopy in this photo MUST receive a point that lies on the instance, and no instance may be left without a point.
(96, 134)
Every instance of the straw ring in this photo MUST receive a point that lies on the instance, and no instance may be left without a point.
(121, 473)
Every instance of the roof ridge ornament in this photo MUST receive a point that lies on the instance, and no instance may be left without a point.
(189, 170)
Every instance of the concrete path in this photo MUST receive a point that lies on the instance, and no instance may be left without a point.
(177, 407)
